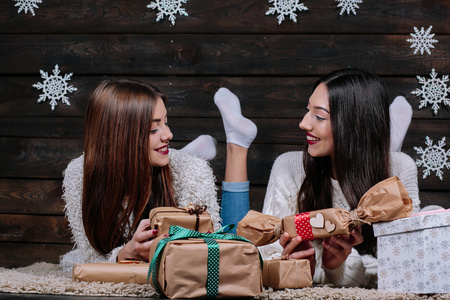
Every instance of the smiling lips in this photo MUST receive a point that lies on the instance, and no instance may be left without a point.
(163, 150)
(311, 139)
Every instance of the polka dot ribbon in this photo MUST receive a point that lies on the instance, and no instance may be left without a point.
(303, 226)
(177, 233)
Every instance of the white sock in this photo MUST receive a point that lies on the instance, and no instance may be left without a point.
(204, 146)
(239, 130)
(400, 112)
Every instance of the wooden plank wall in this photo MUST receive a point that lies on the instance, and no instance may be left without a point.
(229, 43)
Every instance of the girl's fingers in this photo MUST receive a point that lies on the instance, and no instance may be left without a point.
(302, 254)
(290, 246)
(284, 239)
(357, 236)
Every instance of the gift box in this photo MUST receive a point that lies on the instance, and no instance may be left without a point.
(192, 217)
(188, 264)
(127, 272)
(291, 273)
(386, 201)
(414, 254)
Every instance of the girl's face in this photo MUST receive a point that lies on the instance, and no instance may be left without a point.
(317, 124)
(160, 135)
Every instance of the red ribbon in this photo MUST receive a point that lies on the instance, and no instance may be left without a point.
(303, 226)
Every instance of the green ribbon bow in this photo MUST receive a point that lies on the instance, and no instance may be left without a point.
(178, 233)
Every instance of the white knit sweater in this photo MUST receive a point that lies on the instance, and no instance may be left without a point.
(281, 200)
(193, 182)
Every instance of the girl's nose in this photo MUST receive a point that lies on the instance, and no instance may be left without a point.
(304, 123)
(167, 135)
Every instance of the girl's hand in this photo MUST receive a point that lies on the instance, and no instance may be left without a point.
(298, 249)
(337, 248)
(138, 247)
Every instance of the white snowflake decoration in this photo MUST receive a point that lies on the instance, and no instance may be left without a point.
(422, 40)
(434, 158)
(434, 91)
(55, 87)
(26, 5)
(284, 8)
(168, 8)
(348, 5)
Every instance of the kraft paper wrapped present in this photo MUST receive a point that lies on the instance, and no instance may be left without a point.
(287, 274)
(127, 272)
(192, 217)
(414, 253)
(189, 264)
(386, 201)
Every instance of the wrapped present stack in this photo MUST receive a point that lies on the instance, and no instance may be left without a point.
(414, 253)
(190, 264)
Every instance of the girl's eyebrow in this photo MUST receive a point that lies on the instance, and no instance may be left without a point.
(322, 108)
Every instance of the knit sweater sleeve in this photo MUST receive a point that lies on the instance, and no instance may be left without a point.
(403, 166)
(195, 183)
(280, 201)
(82, 252)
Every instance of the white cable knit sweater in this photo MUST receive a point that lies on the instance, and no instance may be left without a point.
(193, 182)
(281, 200)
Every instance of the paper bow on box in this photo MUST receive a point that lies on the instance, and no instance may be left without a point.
(192, 217)
(190, 264)
(386, 201)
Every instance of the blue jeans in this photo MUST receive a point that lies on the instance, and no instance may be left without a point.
(235, 202)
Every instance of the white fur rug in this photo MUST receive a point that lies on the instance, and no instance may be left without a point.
(45, 278)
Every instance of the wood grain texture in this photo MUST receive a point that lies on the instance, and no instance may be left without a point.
(194, 96)
(220, 16)
(14, 255)
(207, 54)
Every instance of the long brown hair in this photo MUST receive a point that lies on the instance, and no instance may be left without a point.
(360, 124)
(119, 182)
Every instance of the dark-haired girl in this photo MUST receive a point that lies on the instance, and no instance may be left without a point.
(347, 128)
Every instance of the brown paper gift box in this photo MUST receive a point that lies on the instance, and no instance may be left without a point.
(112, 272)
(281, 274)
(183, 269)
(162, 218)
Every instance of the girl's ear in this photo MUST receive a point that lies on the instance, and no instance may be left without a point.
(400, 112)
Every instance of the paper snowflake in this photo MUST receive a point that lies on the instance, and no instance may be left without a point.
(434, 91)
(168, 8)
(348, 5)
(27, 5)
(434, 158)
(284, 8)
(422, 40)
(55, 87)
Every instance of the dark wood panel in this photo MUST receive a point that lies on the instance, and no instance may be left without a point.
(38, 158)
(34, 229)
(206, 54)
(224, 16)
(14, 255)
(440, 198)
(31, 196)
(193, 96)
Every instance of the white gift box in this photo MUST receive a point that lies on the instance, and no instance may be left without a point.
(414, 253)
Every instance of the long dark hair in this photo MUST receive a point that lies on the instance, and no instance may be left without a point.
(360, 124)
(119, 181)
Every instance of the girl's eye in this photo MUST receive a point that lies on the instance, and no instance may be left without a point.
(320, 118)
(153, 131)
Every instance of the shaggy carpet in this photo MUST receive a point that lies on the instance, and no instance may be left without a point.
(48, 279)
